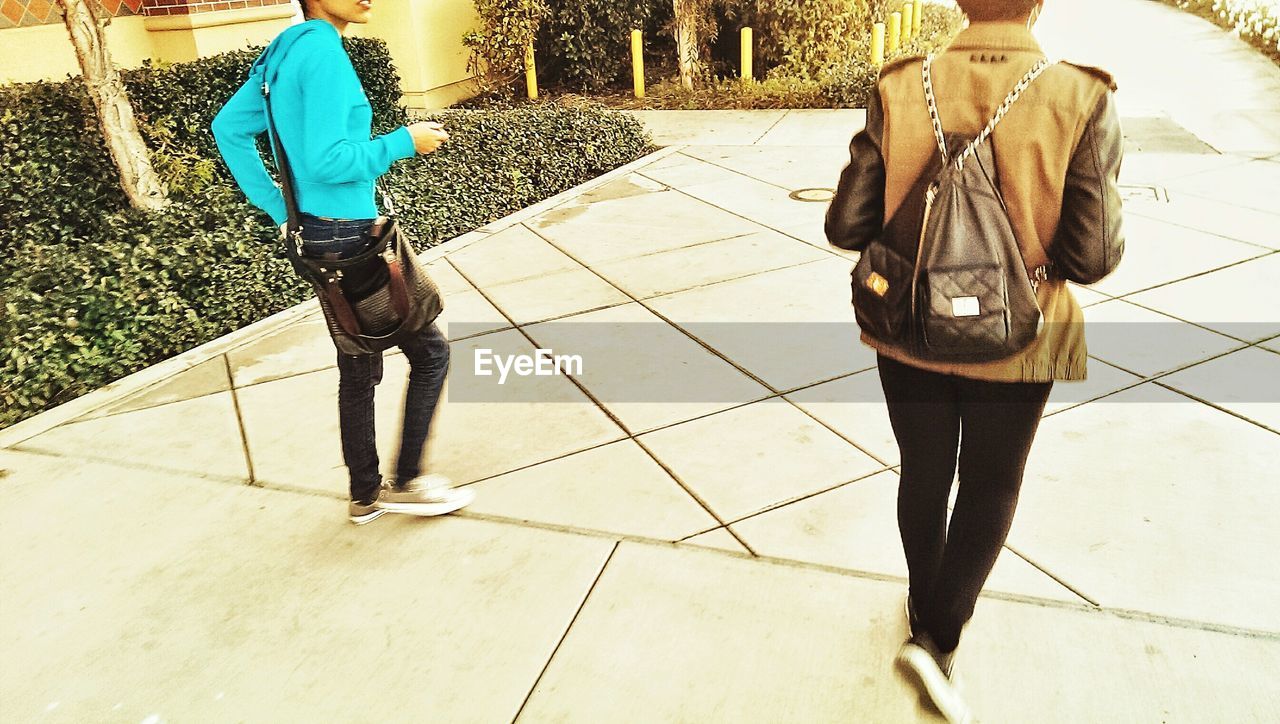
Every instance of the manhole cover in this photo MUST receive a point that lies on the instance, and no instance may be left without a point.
(817, 196)
(1138, 192)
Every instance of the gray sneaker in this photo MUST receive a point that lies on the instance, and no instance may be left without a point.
(424, 496)
(934, 670)
(362, 513)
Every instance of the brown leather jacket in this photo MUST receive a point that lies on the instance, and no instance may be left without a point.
(1058, 155)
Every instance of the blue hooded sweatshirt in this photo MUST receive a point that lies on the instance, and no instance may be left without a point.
(325, 123)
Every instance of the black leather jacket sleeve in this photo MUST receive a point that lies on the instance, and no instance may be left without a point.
(856, 215)
(1090, 240)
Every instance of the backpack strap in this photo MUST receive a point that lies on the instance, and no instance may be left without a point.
(1040, 67)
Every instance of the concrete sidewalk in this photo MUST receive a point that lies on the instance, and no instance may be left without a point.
(727, 555)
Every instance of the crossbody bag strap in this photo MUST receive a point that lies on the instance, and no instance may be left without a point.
(1040, 67)
(287, 189)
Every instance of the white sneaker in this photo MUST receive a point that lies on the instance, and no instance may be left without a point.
(425, 496)
(936, 678)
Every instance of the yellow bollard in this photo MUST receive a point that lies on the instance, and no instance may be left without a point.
(895, 32)
(877, 44)
(917, 17)
(747, 66)
(637, 63)
(908, 10)
(530, 72)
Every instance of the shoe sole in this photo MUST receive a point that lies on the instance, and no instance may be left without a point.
(939, 690)
(367, 517)
(424, 510)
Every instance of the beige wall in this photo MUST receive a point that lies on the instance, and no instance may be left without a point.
(424, 36)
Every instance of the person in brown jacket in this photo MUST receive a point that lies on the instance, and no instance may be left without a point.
(1057, 155)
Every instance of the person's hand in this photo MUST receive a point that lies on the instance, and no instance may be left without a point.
(427, 136)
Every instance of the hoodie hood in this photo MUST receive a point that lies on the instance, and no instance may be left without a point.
(280, 45)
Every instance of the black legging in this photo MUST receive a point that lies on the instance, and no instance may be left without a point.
(992, 424)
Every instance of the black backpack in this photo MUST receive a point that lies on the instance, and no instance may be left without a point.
(946, 281)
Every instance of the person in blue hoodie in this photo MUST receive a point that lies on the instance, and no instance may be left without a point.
(325, 124)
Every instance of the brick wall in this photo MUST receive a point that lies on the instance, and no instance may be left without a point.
(155, 8)
(25, 13)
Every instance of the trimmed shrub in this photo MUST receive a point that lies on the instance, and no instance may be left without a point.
(92, 290)
(498, 45)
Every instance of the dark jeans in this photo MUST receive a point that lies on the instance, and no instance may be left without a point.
(428, 357)
(992, 426)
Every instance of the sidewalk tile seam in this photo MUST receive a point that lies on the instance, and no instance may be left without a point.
(1216, 406)
(244, 434)
(747, 275)
(533, 688)
(1220, 235)
(1270, 212)
(689, 491)
(780, 505)
(776, 123)
(722, 167)
(28, 449)
(1174, 317)
(1076, 590)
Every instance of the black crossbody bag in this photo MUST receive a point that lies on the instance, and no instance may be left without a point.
(374, 300)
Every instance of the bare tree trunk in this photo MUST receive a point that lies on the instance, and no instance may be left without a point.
(687, 40)
(115, 115)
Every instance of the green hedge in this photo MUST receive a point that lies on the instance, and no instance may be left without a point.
(91, 290)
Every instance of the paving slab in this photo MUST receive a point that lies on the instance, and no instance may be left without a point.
(764, 203)
(206, 378)
(262, 605)
(816, 127)
(1149, 343)
(624, 228)
(1159, 169)
(469, 314)
(708, 128)
(510, 255)
(790, 328)
(1173, 534)
(1245, 382)
(1273, 345)
(789, 167)
(854, 407)
(555, 295)
(644, 371)
(447, 278)
(1252, 184)
(296, 349)
(1215, 217)
(855, 527)
(199, 436)
(764, 454)
(668, 272)
(1239, 301)
(686, 635)
(681, 170)
(1021, 663)
(1158, 253)
(1103, 380)
(616, 488)
(291, 426)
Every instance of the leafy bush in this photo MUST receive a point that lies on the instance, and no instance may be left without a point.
(804, 39)
(498, 46)
(586, 44)
(1255, 21)
(91, 290)
(846, 83)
